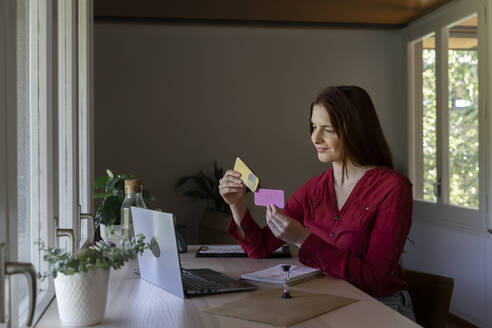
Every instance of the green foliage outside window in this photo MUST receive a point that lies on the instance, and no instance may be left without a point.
(429, 124)
(463, 126)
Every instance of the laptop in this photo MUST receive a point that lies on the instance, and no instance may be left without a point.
(161, 266)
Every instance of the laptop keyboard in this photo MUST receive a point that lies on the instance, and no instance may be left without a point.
(194, 282)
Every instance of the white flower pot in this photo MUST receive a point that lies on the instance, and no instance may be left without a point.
(115, 238)
(81, 297)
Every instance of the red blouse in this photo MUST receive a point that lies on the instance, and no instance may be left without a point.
(361, 243)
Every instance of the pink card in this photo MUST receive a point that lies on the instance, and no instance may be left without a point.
(265, 197)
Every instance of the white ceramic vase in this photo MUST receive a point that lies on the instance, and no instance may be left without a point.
(81, 297)
(115, 238)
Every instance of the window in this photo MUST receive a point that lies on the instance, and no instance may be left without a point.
(36, 193)
(447, 91)
(45, 49)
(463, 113)
(425, 108)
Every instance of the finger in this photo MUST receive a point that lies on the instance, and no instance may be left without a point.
(275, 225)
(270, 212)
(274, 229)
(230, 184)
(230, 178)
(230, 190)
(277, 215)
(277, 211)
(274, 211)
(281, 224)
(233, 173)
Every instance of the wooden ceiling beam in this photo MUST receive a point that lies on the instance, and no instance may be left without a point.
(380, 12)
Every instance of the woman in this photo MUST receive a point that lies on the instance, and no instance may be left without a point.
(351, 221)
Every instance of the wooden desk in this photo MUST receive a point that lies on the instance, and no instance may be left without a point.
(136, 303)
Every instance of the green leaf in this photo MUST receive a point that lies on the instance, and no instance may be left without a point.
(181, 182)
(218, 172)
(120, 184)
(197, 184)
(109, 173)
(211, 183)
(99, 215)
(147, 195)
(124, 176)
(205, 187)
(101, 195)
(111, 210)
(101, 182)
(99, 256)
(110, 185)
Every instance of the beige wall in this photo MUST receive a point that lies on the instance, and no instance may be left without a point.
(171, 99)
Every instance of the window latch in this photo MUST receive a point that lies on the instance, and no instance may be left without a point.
(12, 268)
(437, 188)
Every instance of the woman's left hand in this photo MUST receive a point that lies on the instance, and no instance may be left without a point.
(286, 228)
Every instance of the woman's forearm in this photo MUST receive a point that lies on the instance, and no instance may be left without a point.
(238, 212)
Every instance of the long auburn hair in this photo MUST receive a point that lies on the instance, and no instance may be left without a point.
(356, 123)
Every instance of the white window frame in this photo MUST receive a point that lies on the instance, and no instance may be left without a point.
(68, 118)
(50, 100)
(42, 150)
(39, 105)
(75, 110)
(8, 145)
(86, 106)
(437, 23)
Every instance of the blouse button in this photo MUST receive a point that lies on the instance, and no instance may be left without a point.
(331, 234)
(337, 217)
(367, 207)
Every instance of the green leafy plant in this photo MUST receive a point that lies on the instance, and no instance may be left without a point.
(113, 195)
(202, 186)
(98, 256)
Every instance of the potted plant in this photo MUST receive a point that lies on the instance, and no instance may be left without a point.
(81, 283)
(108, 215)
(213, 224)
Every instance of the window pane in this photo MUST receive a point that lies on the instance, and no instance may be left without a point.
(23, 154)
(463, 113)
(424, 111)
(429, 153)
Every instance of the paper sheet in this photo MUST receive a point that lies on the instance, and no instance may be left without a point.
(270, 308)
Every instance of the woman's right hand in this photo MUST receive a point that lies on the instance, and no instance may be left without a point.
(232, 188)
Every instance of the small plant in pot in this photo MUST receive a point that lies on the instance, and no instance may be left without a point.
(81, 283)
(111, 189)
(213, 224)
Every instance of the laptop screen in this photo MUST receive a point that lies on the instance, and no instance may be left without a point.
(160, 265)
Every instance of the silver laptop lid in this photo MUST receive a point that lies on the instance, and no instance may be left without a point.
(160, 265)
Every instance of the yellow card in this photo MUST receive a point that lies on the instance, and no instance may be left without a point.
(247, 176)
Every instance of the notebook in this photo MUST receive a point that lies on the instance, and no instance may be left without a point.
(235, 251)
(275, 274)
